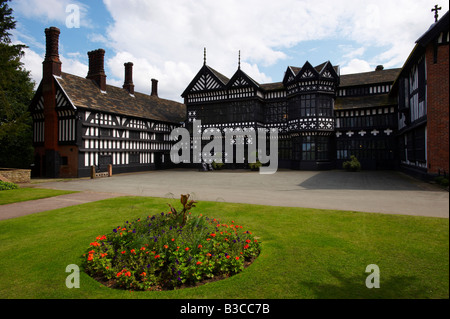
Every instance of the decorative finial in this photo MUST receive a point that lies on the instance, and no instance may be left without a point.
(436, 9)
(239, 61)
(204, 56)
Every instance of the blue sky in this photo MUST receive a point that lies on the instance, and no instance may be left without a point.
(165, 39)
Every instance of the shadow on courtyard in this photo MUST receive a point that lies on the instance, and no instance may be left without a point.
(364, 180)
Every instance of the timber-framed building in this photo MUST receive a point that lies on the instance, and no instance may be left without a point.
(387, 118)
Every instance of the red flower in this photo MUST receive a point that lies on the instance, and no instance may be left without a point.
(246, 246)
(228, 256)
(200, 246)
(90, 257)
(237, 258)
(213, 235)
(187, 248)
(199, 262)
(248, 241)
(157, 256)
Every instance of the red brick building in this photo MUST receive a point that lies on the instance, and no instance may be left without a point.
(423, 103)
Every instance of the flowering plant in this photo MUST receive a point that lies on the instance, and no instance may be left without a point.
(157, 253)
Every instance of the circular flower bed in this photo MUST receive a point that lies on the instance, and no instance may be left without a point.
(159, 253)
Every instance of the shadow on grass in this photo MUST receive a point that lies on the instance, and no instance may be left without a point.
(396, 287)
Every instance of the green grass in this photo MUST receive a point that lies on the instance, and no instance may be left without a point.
(25, 194)
(306, 253)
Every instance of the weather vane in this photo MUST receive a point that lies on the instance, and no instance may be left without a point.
(436, 9)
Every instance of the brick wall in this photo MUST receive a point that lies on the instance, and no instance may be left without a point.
(437, 109)
(16, 175)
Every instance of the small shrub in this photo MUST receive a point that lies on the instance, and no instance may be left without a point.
(441, 180)
(217, 166)
(160, 253)
(353, 165)
(4, 186)
(255, 166)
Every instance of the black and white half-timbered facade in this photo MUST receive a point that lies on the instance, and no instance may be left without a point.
(387, 118)
(82, 122)
(300, 108)
(322, 118)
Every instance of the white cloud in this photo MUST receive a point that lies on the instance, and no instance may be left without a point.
(51, 10)
(33, 62)
(356, 66)
(165, 39)
(159, 34)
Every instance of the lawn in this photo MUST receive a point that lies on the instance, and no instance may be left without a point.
(26, 193)
(306, 253)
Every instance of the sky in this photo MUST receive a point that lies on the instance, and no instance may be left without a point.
(165, 40)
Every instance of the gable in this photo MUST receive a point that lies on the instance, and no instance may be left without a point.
(240, 79)
(329, 72)
(206, 79)
(289, 76)
(307, 72)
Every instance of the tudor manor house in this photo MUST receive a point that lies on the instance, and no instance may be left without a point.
(388, 118)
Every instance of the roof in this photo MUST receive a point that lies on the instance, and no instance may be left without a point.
(366, 78)
(435, 29)
(219, 75)
(356, 102)
(84, 93)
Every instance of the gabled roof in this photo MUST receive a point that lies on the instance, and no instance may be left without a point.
(206, 79)
(434, 30)
(432, 33)
(240, 79)
(307, 71)
(84, 93)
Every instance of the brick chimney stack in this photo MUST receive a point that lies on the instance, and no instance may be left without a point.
(51, 67)
(154, 87)
(96, 68)
(128, 84)
(52, 64)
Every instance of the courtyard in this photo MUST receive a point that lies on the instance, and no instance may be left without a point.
(388, 192)
(319, 232)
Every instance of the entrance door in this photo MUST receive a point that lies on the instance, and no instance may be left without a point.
(158, 161)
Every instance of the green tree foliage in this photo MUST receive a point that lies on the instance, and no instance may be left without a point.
(16, 92)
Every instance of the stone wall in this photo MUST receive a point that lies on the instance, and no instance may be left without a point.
(15, 175)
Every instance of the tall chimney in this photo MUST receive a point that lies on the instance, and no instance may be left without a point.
(51, 68)
(52, 64)
(128, 84)
(154, 87)
(96, 68)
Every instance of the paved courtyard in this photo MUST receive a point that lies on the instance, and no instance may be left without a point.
(368, 191)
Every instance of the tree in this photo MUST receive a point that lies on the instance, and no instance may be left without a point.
(16, 92)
